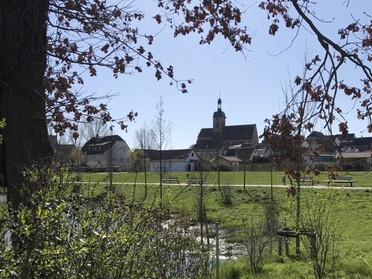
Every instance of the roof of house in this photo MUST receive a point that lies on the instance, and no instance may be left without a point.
(231, 159)
(331, 143)
(173, 154)
(99, 145)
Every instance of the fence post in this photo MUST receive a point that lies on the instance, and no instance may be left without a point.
(217, 251)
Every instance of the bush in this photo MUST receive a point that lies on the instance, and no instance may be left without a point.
(227, 195)
(68, 234)
(231, 269)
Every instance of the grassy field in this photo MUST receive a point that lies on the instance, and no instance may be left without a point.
(226, 178)
(352, 208)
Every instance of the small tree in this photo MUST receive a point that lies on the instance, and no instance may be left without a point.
(146, 141)
(161, 133)
(320, 217)
(256, 242)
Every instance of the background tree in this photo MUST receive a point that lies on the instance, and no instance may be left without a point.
(161, 132)
(22, 66)
(39, 68)
(145, 140)
(96, 128)
(349, 47)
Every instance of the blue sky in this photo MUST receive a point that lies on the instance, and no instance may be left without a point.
(251, 87)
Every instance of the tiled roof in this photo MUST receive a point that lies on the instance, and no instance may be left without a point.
(239, 132)
(231, 159)
(175, 154)
(230, 135)
(99, 145)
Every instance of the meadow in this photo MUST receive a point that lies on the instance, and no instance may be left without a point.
(247, 206)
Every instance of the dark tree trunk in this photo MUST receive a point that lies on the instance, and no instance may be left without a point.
(22, 103)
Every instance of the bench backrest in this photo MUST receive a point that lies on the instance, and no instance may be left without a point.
(349, 178)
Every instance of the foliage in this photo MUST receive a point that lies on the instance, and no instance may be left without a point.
(232, 269)
(68, 234)
(256, 243)
(113, 41)
(226, 194)
(322, 82)
(322, 243)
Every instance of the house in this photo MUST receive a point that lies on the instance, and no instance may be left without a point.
(104, 152)
(176, 160)
(62, 153)
(261, 152)
(348, 150)
(221, 137)
(229, 163)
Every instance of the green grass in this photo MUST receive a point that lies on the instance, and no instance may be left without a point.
(354, 213)
(226, 178)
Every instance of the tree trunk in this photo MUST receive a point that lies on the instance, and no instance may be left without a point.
(22, 97)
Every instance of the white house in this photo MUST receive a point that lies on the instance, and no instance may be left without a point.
(176, 160)
(230, 162)
(103, 152)
(261, 151)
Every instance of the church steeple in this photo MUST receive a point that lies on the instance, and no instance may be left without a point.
(219, 119)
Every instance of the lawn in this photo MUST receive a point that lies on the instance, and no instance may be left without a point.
(226, 178)
(248, 206)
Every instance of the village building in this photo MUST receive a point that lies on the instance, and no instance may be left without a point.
(230, 163)
(176, 160)
(352, 152)
(102, 153)
(221, 136)
(63, 154)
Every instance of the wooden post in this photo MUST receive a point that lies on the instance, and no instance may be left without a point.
(217, 251)
(286, 246)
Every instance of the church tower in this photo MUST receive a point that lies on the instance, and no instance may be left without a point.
(218, 120)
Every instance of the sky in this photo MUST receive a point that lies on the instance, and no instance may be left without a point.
(251, 86)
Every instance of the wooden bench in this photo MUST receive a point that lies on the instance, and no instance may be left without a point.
(341, 179)
(307, 179)
(171, 179)
(194, 180)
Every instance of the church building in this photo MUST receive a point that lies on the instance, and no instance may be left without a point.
(222, 137)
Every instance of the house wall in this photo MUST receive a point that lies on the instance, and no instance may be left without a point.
(177, 165)
(173, 166)
(119, 155)
(230, 165)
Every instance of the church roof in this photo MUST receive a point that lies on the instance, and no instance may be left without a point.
(231, 134)
(239, 132)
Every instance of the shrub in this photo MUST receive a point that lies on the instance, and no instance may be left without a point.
(68, 234)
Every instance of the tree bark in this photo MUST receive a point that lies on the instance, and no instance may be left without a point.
(22, 66)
